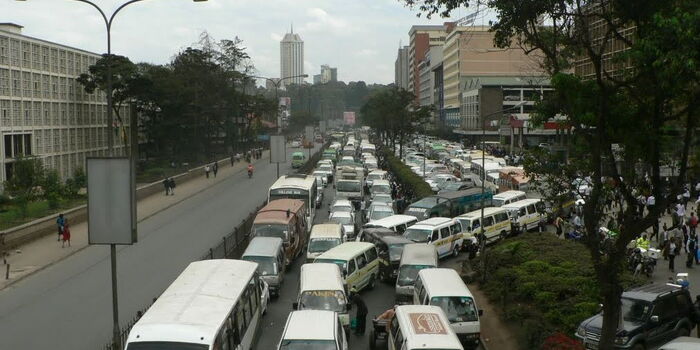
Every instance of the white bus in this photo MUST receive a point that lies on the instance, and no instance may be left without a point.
(213, 304)
(301, 187)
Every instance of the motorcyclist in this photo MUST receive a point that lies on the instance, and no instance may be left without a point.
(250, 169)
(643, 242)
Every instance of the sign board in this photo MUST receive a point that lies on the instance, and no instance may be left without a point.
(309, 133)
(278, 149)
(427, 323)
(349, 118)
(110, 202)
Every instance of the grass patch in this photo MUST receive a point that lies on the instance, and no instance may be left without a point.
(10, 215)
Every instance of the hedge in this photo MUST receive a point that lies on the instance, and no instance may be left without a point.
(407, 178)
(544, 285)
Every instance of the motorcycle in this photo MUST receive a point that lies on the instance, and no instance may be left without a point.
(250, 173)
(640, 261)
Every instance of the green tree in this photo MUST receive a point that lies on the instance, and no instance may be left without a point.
(639, 110)
(25, 183)
(52, 187)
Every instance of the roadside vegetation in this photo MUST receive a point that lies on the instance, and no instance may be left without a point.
(407, 178)
(545, 287)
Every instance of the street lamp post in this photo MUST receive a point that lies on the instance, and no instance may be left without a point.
(482, 237)
(116, 339)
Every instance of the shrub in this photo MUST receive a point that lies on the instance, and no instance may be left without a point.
(407, 178)
(543, 284)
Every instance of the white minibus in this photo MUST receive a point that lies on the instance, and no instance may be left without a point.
(416, 327)
(313, 329)
(213, 304)
(321, 288)
(507, 197)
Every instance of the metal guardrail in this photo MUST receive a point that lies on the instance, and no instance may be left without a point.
(232, 246)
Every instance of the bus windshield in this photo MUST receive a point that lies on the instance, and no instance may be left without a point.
(320, 245)
(303, 344)
(290, 193)
(266, 264)
(457, 309)
(409, 273)
(161, 345)
(270, 230)
(331, 300)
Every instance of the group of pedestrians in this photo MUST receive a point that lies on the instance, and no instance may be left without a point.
(63, 230)
(213, 168)
(169, 184)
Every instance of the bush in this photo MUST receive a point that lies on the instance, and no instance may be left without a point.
(543, 284)
(155, 173)
(407, 178)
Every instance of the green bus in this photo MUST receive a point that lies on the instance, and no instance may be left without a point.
(298, 159)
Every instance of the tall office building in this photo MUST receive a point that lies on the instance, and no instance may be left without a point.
(292, 58)
(422, 37)
(328, 74)
(401, 68)
(44, 112)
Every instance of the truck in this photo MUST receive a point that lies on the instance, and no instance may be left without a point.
(350, 184)
(449, 204)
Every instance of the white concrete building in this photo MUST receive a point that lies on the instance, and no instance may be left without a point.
(401, 68)
(292, 58)
(44, 111)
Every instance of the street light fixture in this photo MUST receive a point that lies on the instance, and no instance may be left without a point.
(116, 340)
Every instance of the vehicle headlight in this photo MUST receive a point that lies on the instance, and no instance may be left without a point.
(581, 331)
(621, 340)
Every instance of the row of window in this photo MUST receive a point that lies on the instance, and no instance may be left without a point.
(30, 55)
(26, 113)
(34, 85)
(240, 318)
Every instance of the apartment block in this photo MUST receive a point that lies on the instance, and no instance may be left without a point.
(44, 112)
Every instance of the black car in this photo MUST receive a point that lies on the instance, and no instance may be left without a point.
(651, 315)
(390, 249)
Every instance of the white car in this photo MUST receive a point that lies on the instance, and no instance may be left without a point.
(379, 210)
(323, 175)
(296, 144)
(347, 219)
(264, 294)
(342, 205)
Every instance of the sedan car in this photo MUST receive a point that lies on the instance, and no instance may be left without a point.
(378, 211)
(346, 219)
(342, 205)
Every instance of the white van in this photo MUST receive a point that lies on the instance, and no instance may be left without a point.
(321, 288)
(507, 197)
(358, 262)
(268, 252)
(497, 224)
(322, 238)
(313, 329)
(375, 175)
(397, 223)
(414, 257)
(421, 327)
(444, 288)
(526, 214)
(444, 233)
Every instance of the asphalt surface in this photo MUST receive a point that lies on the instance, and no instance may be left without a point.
(69, 305)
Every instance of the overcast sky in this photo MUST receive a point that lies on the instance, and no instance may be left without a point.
(359, 37)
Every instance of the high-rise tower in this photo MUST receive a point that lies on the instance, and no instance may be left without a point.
(291, 58)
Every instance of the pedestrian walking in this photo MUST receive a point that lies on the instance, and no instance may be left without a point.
(66, 235)
(577, 222)
(686, 197)
(693, 223)
(360, 311)
(207, 170)
(215, 168)
(60, 224)
(666, 235)
(558, 223)
(680, 213)
(690, 250)
(166, 184)
(171, 185)
(672, 251)
(232, 159)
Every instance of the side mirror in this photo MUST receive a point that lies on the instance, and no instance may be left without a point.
(481, 312)
(295, 305)
(654, 319)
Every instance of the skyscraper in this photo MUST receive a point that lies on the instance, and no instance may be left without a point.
(291, 58)
(401, 68)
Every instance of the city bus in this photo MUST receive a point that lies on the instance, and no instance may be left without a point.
(213, 304)
(301, 187)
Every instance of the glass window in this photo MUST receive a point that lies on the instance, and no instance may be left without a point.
(445, 232)
(456, 228)
(351, 266)
(531, 209)
(488, 221)
(435, 236)
(361, 261)
(457, 309)
(371, 254)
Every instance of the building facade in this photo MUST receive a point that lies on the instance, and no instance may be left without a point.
(44, 111)
(292, 58)
(422, 37)
(401, 68)
(328, 74)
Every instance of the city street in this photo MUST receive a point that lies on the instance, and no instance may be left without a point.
(68, 305)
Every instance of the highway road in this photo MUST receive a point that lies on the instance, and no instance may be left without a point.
(68, 306)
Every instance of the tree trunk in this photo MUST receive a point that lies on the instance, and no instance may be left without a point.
(611, 291)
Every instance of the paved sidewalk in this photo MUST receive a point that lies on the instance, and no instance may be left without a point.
(41, 253)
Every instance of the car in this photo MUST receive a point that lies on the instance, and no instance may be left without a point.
(320, 183)
(384, 198)
(455, 186)
(341, 205)
(682, 343)
(346, 219)
(264, 295)
(379, 210)
(652, 314)
(323, 175)
(296, 144)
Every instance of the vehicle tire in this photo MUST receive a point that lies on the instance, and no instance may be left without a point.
(455, 251)
(504, 235)
(639, 347)
(683, 332)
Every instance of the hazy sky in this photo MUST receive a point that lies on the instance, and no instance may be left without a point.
(359, 37)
